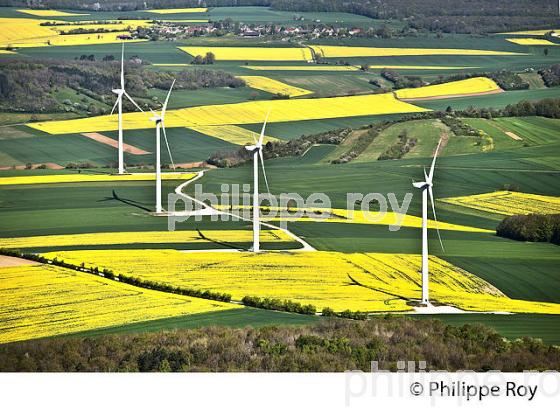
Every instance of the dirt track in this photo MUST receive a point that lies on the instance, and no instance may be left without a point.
(10, 261)
(130, 149)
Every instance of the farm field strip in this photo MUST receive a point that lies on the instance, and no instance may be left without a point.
(531, 32)
(78, 39)
(146, 237)
(324, 67)
(178, 11)
(531, 42)
(43, 300)
(273, 86)
(470, 86)
(230, 133)
(71, 178)
(49, 13)
(130, 149)
(252, 53)
(339, 215)
(317, 67)
(243, 113)
(371, 282)
(346, 51)
(508, 203)
(26, 32)
(113, 25)
(418, 67)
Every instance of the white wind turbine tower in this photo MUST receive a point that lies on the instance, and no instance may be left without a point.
(120, 92)
(426, 187)
(256, 149)
(159, 119)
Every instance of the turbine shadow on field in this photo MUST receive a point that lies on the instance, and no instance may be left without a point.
(130, 202)
(227, 245)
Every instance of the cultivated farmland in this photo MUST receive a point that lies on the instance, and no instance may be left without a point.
(252, 53)
(508, 203)
(366, 282)
(273, 86)
(471, 86)
(40, 301)
(340, 124)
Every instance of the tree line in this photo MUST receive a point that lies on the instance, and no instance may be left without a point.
(531, 228)
(277, 149)
(331, 345)
(32, 85)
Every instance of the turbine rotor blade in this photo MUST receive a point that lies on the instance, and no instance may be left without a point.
(122, 67)
(167, 144)
(263, 170)
(263, 128)
(430, 191)
(167, 100)
(116, 103)
(432, 167)
(132, 101)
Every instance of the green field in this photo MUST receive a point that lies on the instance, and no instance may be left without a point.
(232, 318)
(544, 327)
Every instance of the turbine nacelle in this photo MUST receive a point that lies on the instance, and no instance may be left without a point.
(118, 91)
(421, 185)
(252, 148)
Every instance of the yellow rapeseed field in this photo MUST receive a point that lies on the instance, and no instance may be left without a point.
(43, 300)
(14, 31)
(476, 85)
(318, 278)
(84, 39)
(69, 178)
(230, 133)
(252, 53)
(148, 237)
(178, 11)
(318, 67)
(273, 86)
(113, 25)
(372, 282)
(531, 41)
(339, 215)
(508, 203)
(531, 32)
(49, 13)
(24, 32)
(242, 113)
(345, 51)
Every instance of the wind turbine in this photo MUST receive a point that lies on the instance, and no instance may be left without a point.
(159, 119)
(120, 92)
(256, 149)
(426, 187)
